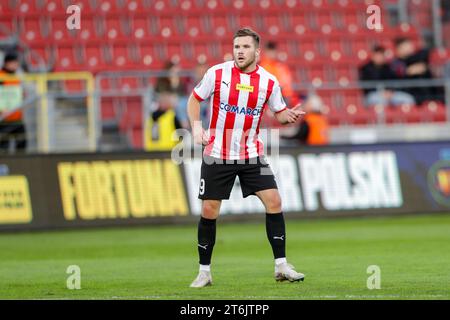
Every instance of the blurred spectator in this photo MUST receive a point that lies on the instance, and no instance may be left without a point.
(280, 70)
(377, 69)
(11, 122)
(412, 64)
(314, 128)
(445, 6)
(173, 90)
(161, 127)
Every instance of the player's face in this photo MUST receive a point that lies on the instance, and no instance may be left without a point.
(245, 52)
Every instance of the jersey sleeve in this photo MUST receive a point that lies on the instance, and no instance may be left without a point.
(205, 87)
(276, 101)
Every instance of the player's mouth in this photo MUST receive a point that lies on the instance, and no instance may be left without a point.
(241, 59)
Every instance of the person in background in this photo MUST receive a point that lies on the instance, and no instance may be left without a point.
(11, 116)
(173, 89)
(313, 129)
(378, 69)
(413, 64)
(162, 124)
(280, 70)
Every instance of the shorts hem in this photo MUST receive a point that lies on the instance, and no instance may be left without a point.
(253, 193)
(213, 198)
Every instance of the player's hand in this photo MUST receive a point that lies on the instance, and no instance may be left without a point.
(294, 114)
(201, 136)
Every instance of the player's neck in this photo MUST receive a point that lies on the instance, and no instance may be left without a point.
(250, 69)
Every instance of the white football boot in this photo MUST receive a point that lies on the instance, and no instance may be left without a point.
(285, 271)
(203, 279)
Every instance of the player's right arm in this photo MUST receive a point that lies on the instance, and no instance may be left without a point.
(193, 109)
(201, 92)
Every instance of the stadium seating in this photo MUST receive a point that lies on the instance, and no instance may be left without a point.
(324, 41)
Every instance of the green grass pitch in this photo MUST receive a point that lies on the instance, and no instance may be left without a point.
(151, 262)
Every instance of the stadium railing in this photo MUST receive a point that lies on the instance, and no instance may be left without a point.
(39, 105)
(124, 87)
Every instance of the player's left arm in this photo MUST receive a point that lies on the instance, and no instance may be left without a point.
(287, 115)
(278, 106)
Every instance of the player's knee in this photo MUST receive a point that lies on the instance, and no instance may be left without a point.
(210, 209)
(274, 203)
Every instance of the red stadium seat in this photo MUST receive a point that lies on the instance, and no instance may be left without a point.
(132, 116)
(113, 28)
(147, 56)
(140, 28)
(344, 74)
(135, 137)
(246, 20)
(324, 22)
(221, 26)
(333, 49)
(274, 24)
(309, 50)
(122, 57)
(167, 27)
(353, 98)
(108, 110)
(317, 75)
(299, 23)
(360, 115)
(337, 116)
(97, 56)
(403, 114)
(8, 7)
(34, 29)
(59, 31)
(24, 8)
(195, 27)
(65, 59)
(39, 57)
(433, 111)
(90, 30)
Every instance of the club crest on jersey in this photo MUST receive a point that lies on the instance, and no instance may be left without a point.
(244, 87)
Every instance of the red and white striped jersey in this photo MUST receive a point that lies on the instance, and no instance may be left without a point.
(237, 104)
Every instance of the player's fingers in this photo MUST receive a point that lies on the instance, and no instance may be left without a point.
(298, 105)
(205, 139)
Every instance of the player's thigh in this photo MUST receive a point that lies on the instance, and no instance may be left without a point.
(256, 177)
(216, 181)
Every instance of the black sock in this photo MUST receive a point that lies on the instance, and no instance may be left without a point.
(276, 233)
(206, 239)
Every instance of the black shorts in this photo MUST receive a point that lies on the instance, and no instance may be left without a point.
(217, 177)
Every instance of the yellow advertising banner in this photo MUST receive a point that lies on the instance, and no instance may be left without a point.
(121, 189)
(15, 203)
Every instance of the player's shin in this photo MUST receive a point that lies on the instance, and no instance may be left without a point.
(276, 233)
(206, 241)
